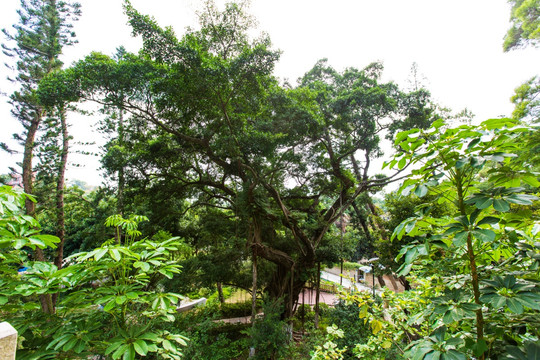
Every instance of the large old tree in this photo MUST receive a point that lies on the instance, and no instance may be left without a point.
(210, 118)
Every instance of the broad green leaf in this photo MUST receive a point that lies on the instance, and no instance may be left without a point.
(411, 255)
(110, 305)
(50, 240)
(119, 351)
(410, 226)
(404, 269)
(167, 345)
(533, 350)
(484, 202)
(480, 347)
(514, 305)
(521, 199)
(407, 190)
(531, 180)
(516, 353)
(434, 355)
(484, 235)
(453, 355)
(473, 143)
(99, 254)
(489, 220)
(80, 347)
(501, 205)
(70, 344)
(130, 353)
(376, 326)
(421, 190)
(448, 318)
(529, 299)
(460, 238)
(115, 254)
(19, 243)
(140, 347)
(143, 265)
(132, 295)
(461, 163)
(149, 336)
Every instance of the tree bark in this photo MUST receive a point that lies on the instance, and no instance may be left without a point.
(28, 187)
(253, 298)
(27, 168)
(393, 281)
(60, 215)
(121, 180)
(406, 284)
(60, 184)
(220, 292)
(381, 281)
(317, 294)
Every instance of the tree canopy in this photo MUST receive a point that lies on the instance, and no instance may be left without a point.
(525, 19)
(212, 120)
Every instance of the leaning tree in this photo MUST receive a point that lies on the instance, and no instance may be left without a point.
(210, 117)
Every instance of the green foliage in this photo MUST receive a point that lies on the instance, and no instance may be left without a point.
(211, 339)
(399, 208)
(269, 335)
(106, 304)
(527, 101)
(485, 251)
(238, 309)
(330, 350)
(525, 30)
(346, 316)
(209, 122)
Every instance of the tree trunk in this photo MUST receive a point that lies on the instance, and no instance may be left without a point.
(60, 184)
(28, 187)
(220, 292)
(380, 278)
(393, 281)
(252, 350)
(60, 216)
(317, 294)
(406, 284)
(121, 180)
(472, 263)
(27, 168)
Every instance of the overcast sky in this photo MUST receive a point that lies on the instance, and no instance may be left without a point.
(456, 44)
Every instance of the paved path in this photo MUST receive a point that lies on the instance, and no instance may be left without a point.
(308, 296)
(345, 281)
(238, 320)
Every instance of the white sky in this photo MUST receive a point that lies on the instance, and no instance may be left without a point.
(456, 44)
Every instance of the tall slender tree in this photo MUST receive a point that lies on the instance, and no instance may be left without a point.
(35, 44)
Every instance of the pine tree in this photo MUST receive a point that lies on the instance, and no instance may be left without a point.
(44, 28)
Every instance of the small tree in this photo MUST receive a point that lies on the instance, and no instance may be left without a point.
(107, 303)
(485, 256)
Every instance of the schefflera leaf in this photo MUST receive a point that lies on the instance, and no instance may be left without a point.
(508, 292)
